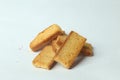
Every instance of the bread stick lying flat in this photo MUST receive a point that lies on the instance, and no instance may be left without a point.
(45, 58)
(87, 49)
(45, 37)
(70, 49)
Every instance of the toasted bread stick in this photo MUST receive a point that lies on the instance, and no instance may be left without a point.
(70, 49)
(45, 58)
(45, 37)
(87, 49)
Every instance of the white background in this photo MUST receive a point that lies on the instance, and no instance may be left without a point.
(97, 20)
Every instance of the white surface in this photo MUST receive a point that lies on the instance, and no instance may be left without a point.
(97, 20)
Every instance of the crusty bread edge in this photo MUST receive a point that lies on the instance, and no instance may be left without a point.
(55, 58)
(52, 63)
(45, 42)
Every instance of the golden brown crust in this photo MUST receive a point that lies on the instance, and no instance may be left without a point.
(60, 39)
(55, 46)
(45, 37)
(87, 50)
(70, 49)
(57, 43)
(45, 58)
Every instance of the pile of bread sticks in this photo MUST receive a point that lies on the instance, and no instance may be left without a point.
(56, 46)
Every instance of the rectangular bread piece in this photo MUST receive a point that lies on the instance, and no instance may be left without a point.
(45, 58)
(45, 37)
(87, 49)
(70, 49)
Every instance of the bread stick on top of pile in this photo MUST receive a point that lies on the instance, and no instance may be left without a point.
(44, 37)
(57, 46)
